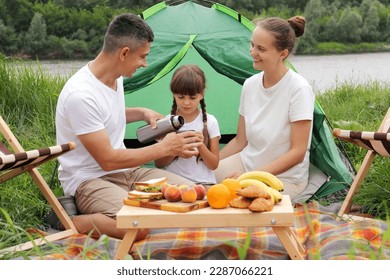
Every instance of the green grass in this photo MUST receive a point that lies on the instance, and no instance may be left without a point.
(341, 48)
(27, 103)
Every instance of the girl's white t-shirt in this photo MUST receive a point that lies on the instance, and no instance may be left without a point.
(189, 168)
(268, 116)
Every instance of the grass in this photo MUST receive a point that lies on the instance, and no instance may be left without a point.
(27, 103)
(341, 48)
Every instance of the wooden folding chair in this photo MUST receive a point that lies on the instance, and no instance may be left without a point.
(19, 161)
(377, 143)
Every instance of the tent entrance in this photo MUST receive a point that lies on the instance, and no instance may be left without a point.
(222, 96)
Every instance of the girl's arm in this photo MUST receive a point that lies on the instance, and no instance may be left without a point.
(238, 143)
(164, 161)
(299, 137)
(210, 156)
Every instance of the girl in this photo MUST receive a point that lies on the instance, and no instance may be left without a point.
(188, 85)
(276, 111)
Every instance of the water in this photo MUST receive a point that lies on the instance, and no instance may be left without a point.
(323, 72)
(327, 71)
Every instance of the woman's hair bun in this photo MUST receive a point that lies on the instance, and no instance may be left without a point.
(298, 24)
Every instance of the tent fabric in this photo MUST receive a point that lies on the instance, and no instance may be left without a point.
(218, 40)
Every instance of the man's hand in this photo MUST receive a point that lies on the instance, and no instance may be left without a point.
(183, 144)
(151, 117)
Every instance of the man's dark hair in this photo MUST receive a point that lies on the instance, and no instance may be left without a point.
(127, 30)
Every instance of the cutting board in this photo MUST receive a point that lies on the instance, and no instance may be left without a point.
(163, 204)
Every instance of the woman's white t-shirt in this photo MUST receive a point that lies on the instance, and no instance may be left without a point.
(190, 168)
(268, 114)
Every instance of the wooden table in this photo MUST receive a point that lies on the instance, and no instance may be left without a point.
(281, 219)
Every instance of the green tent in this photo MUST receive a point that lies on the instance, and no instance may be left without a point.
(217, 39)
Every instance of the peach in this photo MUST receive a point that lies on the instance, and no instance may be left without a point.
(172, 193)
(164, 187)
(200, 191)
(188, 194)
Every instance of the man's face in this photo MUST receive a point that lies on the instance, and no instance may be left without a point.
(135, 59)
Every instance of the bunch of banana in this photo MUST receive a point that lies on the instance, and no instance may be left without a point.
(276, 195)
(265, 177)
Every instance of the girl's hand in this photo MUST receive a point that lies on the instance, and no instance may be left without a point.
(200, 136)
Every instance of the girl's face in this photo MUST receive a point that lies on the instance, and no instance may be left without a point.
(263, 51)
(187, 105)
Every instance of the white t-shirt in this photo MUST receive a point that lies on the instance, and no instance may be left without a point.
(189, 168)
(87, 105)
(268, 116)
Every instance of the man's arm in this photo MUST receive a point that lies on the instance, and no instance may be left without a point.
(108, 158)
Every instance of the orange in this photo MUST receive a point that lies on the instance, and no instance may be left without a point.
(233, 185)
(218, 196)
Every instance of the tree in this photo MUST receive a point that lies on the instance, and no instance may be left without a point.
(314, 11)
(370, 29)
(348, 29)
(8, 39)
(36, 35)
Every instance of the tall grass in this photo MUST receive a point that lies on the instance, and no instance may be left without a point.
(27, 104)
(363, 107)
(28, 98)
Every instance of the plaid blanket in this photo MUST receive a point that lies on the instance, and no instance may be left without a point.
(321, 234)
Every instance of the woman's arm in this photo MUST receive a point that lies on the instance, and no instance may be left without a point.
(238, 143)
(299, 137)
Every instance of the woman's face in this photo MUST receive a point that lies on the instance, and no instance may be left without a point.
(263, 51)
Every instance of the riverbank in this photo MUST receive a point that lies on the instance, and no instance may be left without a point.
(323, 72)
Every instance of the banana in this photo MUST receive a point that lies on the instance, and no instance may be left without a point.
(265, 177)
(276, 196)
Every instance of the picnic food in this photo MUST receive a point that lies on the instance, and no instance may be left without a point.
(254, 191)
(144, 195)
(172, 193)
(261, 204)
(188, 194)
(218, 196)
(152, 185)
(265, 177)
(240, 202)
(233, 185)
(277, 196)
(200, 191)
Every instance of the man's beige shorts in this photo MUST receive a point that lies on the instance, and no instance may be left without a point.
(105, 194)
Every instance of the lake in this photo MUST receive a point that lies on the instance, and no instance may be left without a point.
(323, 72)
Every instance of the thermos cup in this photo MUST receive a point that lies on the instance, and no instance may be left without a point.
(168, 124)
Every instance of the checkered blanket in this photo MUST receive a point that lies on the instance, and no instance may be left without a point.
(316, 226)
(321, 234)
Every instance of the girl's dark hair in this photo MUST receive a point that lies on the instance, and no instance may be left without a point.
(127, 30)
(285, 31)
(190, 80)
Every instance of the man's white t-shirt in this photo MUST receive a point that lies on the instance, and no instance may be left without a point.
(268, 116)
(189, 168)
(87, 105)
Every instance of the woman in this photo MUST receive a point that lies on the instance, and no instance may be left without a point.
(276, 111)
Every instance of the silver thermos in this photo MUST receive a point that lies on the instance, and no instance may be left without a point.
(168, 124)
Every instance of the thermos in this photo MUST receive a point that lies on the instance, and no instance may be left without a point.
(168, 124)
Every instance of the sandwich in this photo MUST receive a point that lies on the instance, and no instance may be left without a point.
(150, 189)
(151, 186)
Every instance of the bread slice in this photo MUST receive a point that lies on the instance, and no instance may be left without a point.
(152, 185)
(144, 195)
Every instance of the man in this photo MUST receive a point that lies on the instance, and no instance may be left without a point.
(91, 112)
